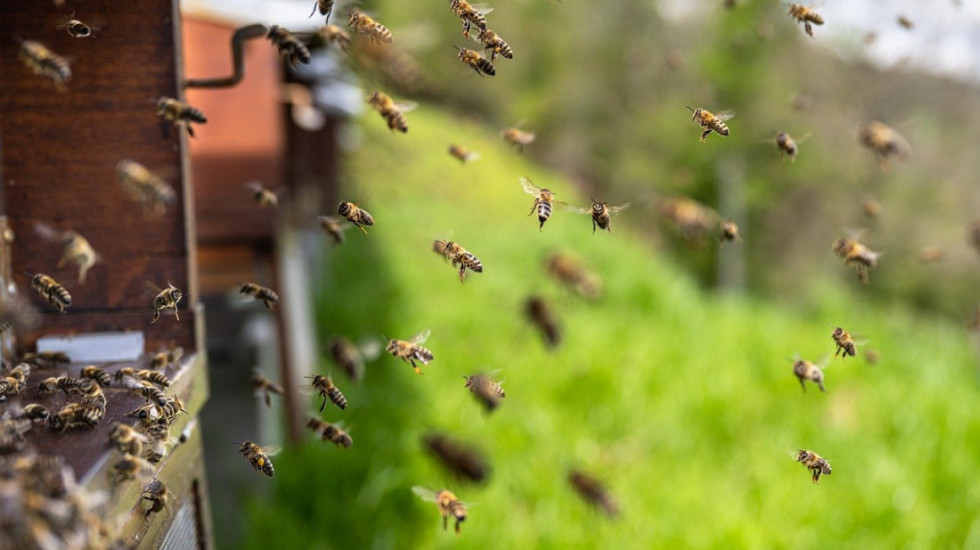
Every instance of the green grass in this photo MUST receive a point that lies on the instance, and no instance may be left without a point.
(681, 400)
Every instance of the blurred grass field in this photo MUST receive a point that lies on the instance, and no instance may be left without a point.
(681, 400)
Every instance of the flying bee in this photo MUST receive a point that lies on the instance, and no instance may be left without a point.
(327, 390)
(544, 319)
(130, 467)
(158, 495)
(165, 299)
(45, 63)
(844, 342)
(97, 374)
(459, 256)
(152, 192)
(447, 502)
(885, 142)
(393, 112)
(728, 231)
(805, 15)
(601, 214)
(461, 460)
(856, 253)
(411, 351)
(366, 26)
(332, 227)
(571, 272)
(593, 492)
(469, 14)
(263, 197)
(486, 389)
(693, 219)
(258, 457)
(12, 435)
(544, 201)
(74, 27)
(813, 462)
(476, 61)
(165, 358)
(290, 47)
(807, 370)
(463, 154)
(711, 122)
(332, 34)
(74, 249)
(150, 392)
(905, 22)
(325, 6)
(19, 314)
(178, 112)
(350, 358)
(495, 45)
(355, 215)
(154, 377)
(265, 388)
(52, 291)
(335, 434)
(789, 146)
(871, 208)
(127, 439)
(517, 137)
(262, 293)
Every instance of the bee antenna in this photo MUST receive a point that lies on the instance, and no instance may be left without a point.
(457, 47)
(689, 107)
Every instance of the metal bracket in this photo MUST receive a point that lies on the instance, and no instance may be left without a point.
(238, 59)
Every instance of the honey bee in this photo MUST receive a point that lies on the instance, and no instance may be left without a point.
(813, 462)
(517, 137)
(333, 433)
(258, 457)
(158, 495)
(355, 215)
(148, 414)
(350, 358)
(75, 28)
(572, 273)
(127, 439)
(265, 388)
(77, 250)
(486, 389)
(711, 122)
(476, 61)
(127, 377)
(844, 342)
(52, 291)
(166, 299)
(290, 47)
(728, 231)
(463, 154)
(47, 386)
(325, 6)
(592, 491)
(447, 502)
(35, 411)
(325, 387)
(264, 294)
(262, 196)
(332, 34)
(856, 253)
(97, 374)
(76, 415)
(884, 142)
(495, 45)
(170, 408)
(805, 15)
(332, 227)
(806, 370)
(152, 192)
(178, 112)
(601, 214)
(543, 202)
(91, 393)
(12, 435)
(459, 256)
(788, 146)
(165, 358)
(871, 208)
(364, 25)
(544, 319)
(130, 467)
(461, 460)
(905, 22)
(67, 384)
(45, 63)
(21, 372)
(392, 112)
(150, 392)
(411, 351)
(469, 14)
(154, 377)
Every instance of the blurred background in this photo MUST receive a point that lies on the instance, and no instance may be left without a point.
(671, 382)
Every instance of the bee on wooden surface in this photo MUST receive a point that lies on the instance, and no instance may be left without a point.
(411, 351)
(68, 385)
(258, 457)
(9, 387)
(844, 342)
(35, 411)
(263, 387)
(21, 372)
(45, 63)
(463, 154)
(261, 293)
(884, 142)
(357, 216)
(324, 386)
(789, 146)
(461, 460)
(711, 122)
(47, 386)
(127, 377)
(544, 319)
(76, 415)
(325, 7)
(366, 26)
(495, 45)
(486, 388)
(131, 467)
(12, 435)
(470, 15)
(154, 377)
(158, 495)
(164, 358)
(393, 112)
(806, 15)
(147, 414)
(74, 248)
(148, 391)
(593, 491)
(544, 201)
(728, 231)
(459, 256)
(856, 253)
(476, 61)
(601, 214)
(171, 407)
(871, 208)
(152, 192)
(75, 28)
(91, 393)
(127, 439)
(517, 137)
(806, 370)
(332, 34)
(178, 112)
(165, 299)
(52, 291)
(331, 226)
(261, 195)
(572, 273)
(813, 462)
(447, 502)
(290, 47)
(97, 374)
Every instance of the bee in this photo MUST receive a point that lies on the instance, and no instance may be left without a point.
(544, 319)
(150, 392)
(262, 196)
(392, 112)
(97, 374)
(91, 393)
(412, 350)
(871, 208)
(593, 492)
(335, 434)
(495, 45)
(47, 386)
(806, 16)
(158, 495)
(463, 154)
(21, 372)
(67, 384)
(178, 112)
(459, 256)
(325, 387)
(463, 461)
(265, 387)
(12, 435)
(728, 231)
(130, 467)
(601, 214)
(158, 447)
(884, 142)
(364, 25)
(469, 14)
(75, 28)
(573, 274)
(813, 462)
(52, 291)
(711, 122)
(331, 226)
(127, 439)
(154, 377)
(543, 202)
(19, 314)
(147, 414)
(905, 22)
(170, 408)
(45, 63)
(332, 34)
(517, 137)
(164, 358)
(348, 357)
(152, 192)
(76, 415)
(258, 457)
(77, 250)
(844, 342)
(787, 145)
(806, 370)
(290, 47)
(127, 377)
(447, 502)
(325, 6)
(166, 299)
(355, 215)
(479, 63)
(264, 294)
(34, 411)
(856, 253)
(486, 389)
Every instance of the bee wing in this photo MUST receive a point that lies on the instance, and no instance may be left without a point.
(725, 115)
(529, 187)
(424, 493)
(495, 375)
(152, 289)
(47, 232)
(406, 106)
(439, 246)
(270, 450)
(561, 204)
(614, 209)
(578, 209)
(421, 337)
(481, 8)
(254, 186)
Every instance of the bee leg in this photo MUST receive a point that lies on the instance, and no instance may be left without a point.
(156, 315)
(803, 385)
(462, 273)
(820, 385)
(593, 226)
(175, 312)
(704, 134)
(324, 403)
(360, 227)
(478, 72)
(536, 201)
(809, 30)
(445, 522)
(541, 225)
(190, 131)
(457, 526)
(268, 399)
